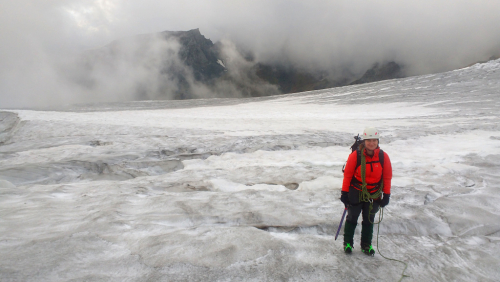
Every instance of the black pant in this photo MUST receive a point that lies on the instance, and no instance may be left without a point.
(368, 216)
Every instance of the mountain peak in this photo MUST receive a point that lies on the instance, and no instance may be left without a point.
(193, 32)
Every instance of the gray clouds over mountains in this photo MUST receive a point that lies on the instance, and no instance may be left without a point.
(38, 37)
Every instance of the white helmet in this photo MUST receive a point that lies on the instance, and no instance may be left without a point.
(370, 133)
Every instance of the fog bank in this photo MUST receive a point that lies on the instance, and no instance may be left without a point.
(40, 39)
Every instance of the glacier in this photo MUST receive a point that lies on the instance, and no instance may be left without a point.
(248, 189)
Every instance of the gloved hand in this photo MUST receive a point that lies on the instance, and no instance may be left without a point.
(344, 197)
(385, 200)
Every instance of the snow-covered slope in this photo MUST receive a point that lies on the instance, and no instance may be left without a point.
(247, 190)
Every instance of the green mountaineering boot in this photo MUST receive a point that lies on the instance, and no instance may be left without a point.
(347, 248)
(366, 239)
(349, 228)
(367, 249)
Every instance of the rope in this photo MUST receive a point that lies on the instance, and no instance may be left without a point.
(365, 196)
(381, 216)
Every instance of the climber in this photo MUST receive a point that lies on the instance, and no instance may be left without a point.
(366, 187)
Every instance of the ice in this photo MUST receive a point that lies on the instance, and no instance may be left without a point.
(222, 185)
(6, 184)
(248, 189)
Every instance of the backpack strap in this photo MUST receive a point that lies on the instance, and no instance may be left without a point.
(380, 158)
(358, 161)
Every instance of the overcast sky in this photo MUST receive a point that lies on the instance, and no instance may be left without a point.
(427, 36)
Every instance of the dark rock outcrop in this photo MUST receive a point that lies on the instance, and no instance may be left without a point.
(292, 80)
(381, 72)
(198, 53)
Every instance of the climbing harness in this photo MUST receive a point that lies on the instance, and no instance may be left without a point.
(365, 196)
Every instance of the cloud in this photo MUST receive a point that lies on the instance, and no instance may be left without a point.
(240, 79)
(129, 69)
(38, 37)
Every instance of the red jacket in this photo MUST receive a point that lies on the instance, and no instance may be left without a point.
(373, 172)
